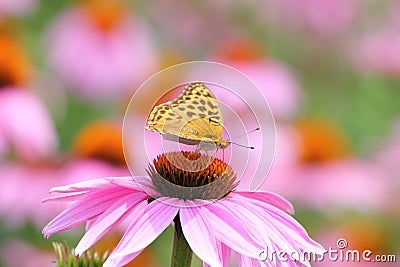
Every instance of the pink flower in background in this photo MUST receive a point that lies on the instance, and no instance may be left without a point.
(97, 152)
(387, 159)
(241, 223)
(17, 253)
(100, 51)
(394, 12)
(313, 167)
(275, 80)
(16, 7)
(389, 155)
(323, 18)
(378, 52)
(26, 187)
(16, 208)
(25, 125)
(188, 31)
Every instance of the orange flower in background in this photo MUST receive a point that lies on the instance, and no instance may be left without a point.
(365, 233)
(314, 166)
(240, 50)
(320, 141)
(96, 152)
(100, 140)
(15, 69)
(359, 233)
(105, 14)
(25, 125)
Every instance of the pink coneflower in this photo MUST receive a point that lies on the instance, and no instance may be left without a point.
(114, 50)
(214, 219)
(378, 52)
(275, 80)
(387, 160)
(17, 253)
(16, 7)
(315, 158)
(324, 18)
(97, 152)
(25, 124)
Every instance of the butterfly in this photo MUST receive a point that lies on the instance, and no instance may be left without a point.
(193, 118)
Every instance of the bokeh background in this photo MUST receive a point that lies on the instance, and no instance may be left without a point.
(330, 70)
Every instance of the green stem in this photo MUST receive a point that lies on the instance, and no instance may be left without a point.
(181, 251)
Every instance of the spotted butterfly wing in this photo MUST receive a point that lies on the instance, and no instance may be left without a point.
(193, 117)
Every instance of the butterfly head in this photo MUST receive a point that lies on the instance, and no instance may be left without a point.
(222, 143)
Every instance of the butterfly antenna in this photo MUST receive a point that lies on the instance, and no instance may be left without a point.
(256, 129)
(250, 147)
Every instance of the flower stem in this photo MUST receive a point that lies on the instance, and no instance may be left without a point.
(181, 251)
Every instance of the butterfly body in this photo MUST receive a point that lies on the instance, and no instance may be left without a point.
(193, 118)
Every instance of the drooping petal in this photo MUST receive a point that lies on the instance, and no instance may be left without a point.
(199, 236)
(225, 253)
(266, 230)
(85, 209)
(147, 226)
(245, 261)
(261, 232)
(229, 230)
(268, 197)
(291, 227)
(132, 203)
(286, 236)
(282, 218)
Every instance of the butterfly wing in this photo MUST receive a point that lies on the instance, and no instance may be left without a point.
(194, 115)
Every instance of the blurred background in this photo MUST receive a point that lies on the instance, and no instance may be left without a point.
(330, 70)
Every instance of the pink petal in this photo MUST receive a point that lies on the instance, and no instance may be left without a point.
(84, 210)
(91, 184)
(121, 261)
(149, 224)
(134, 202)
(291, 225)
(229, 230)
(66, 197)
(284, 230)
(245, 261)
(139, 183)
(260, 231)
(26, 123)
(225, 253)
(199, 236)
(269, 197)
